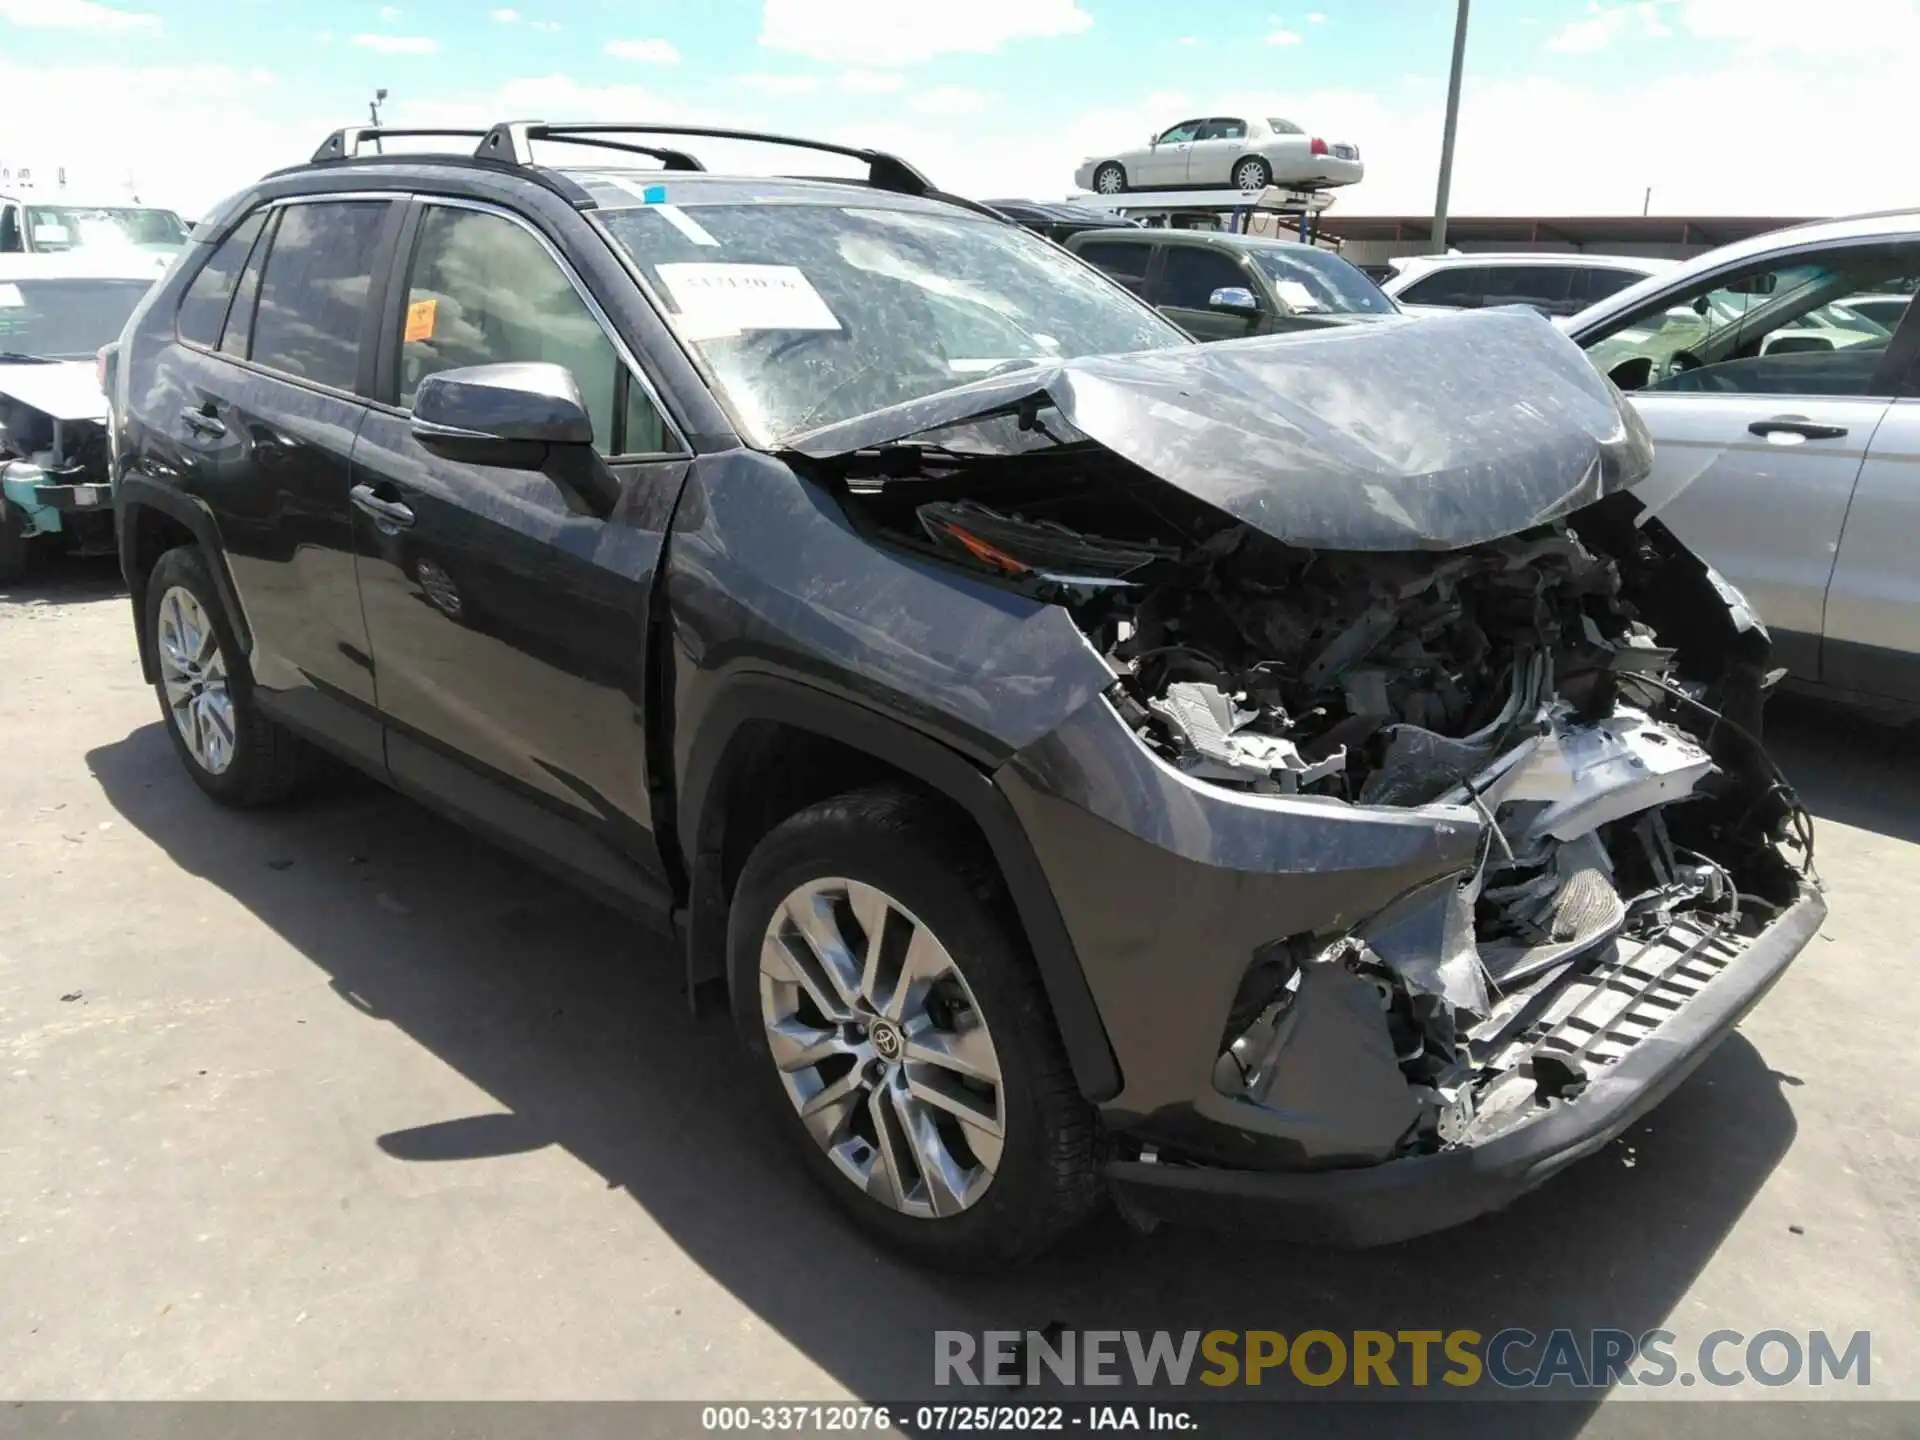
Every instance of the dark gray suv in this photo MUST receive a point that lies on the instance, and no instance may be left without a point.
(1286, 776)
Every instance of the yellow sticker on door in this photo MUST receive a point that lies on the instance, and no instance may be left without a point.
(420, 320)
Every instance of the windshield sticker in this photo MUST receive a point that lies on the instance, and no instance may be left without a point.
(420, 318)
(716, 300)
(1298, 296)
(685, 224)
(10, 296)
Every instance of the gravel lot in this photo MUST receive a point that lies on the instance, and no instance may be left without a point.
(338, 1101)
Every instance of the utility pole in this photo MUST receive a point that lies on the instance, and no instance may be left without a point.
(373, 113)
(1646, 202)
(1446, 136)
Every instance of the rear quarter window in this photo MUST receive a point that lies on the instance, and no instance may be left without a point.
(203, 309)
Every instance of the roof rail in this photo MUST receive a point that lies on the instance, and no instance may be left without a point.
(345, 143)
(512, 141)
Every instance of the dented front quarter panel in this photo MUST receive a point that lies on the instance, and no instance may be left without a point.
(1169, 885)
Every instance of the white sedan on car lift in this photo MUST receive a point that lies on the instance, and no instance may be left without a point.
(1227, 151)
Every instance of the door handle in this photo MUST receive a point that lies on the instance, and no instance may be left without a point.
(384, 512)
(203, 421)
(1796, 425)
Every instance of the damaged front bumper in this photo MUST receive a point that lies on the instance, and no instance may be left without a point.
(1185, 898)
(1418, 1194)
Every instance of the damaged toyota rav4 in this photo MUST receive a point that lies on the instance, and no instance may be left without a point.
(1295, 779)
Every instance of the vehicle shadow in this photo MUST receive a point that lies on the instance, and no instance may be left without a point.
(1848, 768)
(580, 1031)
(65, 580)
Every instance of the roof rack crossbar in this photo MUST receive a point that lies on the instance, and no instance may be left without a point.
(671, 159)
(345, 143)
(511, 140)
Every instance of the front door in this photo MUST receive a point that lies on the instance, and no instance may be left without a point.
(1189, 274)
(509, 634)
(1762, 395)
(1165, 163)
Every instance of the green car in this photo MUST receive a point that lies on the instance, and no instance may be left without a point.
(1221, 286)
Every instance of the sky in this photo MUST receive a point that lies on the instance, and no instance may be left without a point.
(1771, 107)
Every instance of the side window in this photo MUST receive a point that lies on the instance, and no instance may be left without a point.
(1785, 328)
(484, 291)
(238, 335)
(1227, 129)
(1459, 286)
(313, 291)
(1545, 287)
(1123, 260)
(1192, 274)
(204, 307)
(1597, 284)
(1185, 130)
(10, 230)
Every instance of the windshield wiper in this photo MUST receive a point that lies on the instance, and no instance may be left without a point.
(17, 357)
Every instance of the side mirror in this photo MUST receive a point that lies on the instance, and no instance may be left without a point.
(1153, 141)
(517, 417)
(1234, 300)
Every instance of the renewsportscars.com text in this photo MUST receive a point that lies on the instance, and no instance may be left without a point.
(1512, 1358)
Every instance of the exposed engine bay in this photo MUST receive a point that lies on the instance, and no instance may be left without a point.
(1586, 687)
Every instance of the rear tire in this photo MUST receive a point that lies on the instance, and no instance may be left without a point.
(1252, 173)
(1110, 179)
(944, 1116)
(15, 547)
(231, 751)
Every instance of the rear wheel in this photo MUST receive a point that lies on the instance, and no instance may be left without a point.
(1252, 173)
(232, 751)
(14, 544)
(901, 1035)
(1110, 179)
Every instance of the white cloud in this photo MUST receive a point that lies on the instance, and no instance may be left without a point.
(1316, 18)
(872, 82)
(651, 52)
(1188, 40)
(74, 15)
(389, 13)
(1284, 36)
(948, 100)
(1607, 23)
(779, 84)
(888, 32)
(1845, 28)
(398, 44)
(506, 17)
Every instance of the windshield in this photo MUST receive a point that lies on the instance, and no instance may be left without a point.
(1309, 281)
(64, 319)
(805, 315)
(93, 227)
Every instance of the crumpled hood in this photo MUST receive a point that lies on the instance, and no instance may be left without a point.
(1416, 434)
(66, 389)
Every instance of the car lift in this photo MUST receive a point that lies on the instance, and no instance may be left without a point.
(1166, 207)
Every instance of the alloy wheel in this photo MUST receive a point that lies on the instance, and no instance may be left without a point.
(193, 673)
(882, 1048)
(1110, 181)
(1250, 176)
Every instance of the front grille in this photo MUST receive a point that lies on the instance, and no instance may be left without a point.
(1598, 1016)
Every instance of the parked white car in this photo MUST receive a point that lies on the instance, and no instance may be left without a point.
(1553, 282)
(57, 223)
(1224, 151)
(1780, 378)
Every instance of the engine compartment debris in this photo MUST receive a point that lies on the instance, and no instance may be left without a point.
(1583, 688)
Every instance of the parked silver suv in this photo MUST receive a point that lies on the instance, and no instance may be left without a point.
(1787, 431)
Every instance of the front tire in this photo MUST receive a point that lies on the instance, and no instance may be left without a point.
(896, 1024)
(1252, 173)
(231, 751)
(1110, 179)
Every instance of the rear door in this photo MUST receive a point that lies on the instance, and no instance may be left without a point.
(510, 634)
(1189, 274)
(1872, 636)
(1757, 453)
(1220, 142)
(255, 407)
